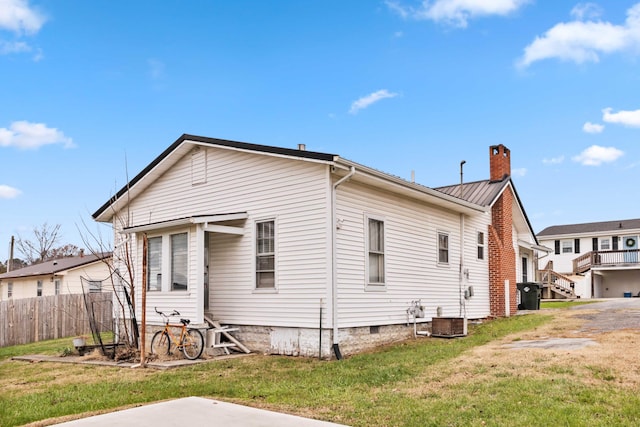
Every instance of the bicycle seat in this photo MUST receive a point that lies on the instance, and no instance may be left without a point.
(185, 322)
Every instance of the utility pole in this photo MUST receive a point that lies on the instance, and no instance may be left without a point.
(10, 261)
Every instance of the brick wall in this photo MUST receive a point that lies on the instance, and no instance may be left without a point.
(502, 256)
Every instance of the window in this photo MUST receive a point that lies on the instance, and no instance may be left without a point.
(10, 290)
(95, 286)
(443, 248)
(39, 288)
(605, 244)
(525, 269)
(480, 245)
(56, 285)
(567, 246)
(179, 262)
(376, 251)
(168, 262)
(154, 264)
(265, 255)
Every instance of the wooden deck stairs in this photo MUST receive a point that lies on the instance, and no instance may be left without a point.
(220, 331)
(556, 285)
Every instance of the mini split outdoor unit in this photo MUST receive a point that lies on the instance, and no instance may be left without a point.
(448, 327)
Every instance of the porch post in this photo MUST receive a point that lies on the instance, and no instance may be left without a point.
(199, 279)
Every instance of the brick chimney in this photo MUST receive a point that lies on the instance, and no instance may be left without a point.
(499, 162)
(502, 254)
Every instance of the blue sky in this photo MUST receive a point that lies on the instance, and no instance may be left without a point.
(94, 90)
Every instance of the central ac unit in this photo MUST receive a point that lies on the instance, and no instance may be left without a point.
(449, 327)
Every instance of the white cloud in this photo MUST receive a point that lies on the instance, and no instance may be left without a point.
(596, 155)
(589, 127)
(13, 47)
(553, 160)
(519, 172)
(456, 12)
(17, 16)
(583, 11)
(7, 192)
(26, 135)
(584, 41)
(627, 118)
(368, 100)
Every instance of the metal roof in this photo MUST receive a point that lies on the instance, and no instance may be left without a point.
(54, 266)
(482, 193)
(618, 226)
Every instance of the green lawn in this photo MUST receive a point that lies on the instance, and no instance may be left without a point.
(564, 303)
(401, 385)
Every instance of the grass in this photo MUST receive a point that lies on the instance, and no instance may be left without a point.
(412, 383)
(563, 303)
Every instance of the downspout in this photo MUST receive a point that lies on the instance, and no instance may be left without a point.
(334, 262)
(461, 272)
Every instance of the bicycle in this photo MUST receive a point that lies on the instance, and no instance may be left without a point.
(190, 341)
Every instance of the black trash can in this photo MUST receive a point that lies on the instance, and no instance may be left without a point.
(530, 296)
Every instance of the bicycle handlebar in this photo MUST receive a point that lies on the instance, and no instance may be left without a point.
(174, 313)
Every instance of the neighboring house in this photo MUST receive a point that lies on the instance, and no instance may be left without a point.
(308, 252)
(55, 277)
(599, 259)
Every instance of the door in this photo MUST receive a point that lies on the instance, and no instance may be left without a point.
(630, 245)
(525, 269)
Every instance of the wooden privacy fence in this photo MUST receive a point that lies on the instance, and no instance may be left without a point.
(29, 320)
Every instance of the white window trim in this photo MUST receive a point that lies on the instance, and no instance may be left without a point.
(601, 243)
(438, 262)
(254, 238)
(165, 267)
(368, 285)
(483, 246)
(570, 246)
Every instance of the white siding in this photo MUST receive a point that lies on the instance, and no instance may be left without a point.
(293, 192)
(69, 282)
(412, 270)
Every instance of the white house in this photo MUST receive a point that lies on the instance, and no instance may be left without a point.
(55, 277)
(308, 252)
(599, 258)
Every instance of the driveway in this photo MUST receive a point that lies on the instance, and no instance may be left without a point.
(612, 315)
(195, 411)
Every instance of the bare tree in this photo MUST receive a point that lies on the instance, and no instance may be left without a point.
(39, 249)
(64, 251)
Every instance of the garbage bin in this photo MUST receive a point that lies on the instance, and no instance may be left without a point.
(530, 296)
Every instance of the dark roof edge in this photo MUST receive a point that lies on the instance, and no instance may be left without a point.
(212, 141)
(526, 218)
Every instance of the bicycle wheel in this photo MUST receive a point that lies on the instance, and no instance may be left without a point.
(160, 343)
(192, 344)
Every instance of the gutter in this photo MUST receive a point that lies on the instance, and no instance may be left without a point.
(334, 278)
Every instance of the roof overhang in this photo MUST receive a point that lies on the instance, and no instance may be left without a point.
(199, 219)
(181, 147)
(533, 246)
(397, 185)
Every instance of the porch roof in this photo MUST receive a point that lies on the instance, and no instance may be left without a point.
(196, 219)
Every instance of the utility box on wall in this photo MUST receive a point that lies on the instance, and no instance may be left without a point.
(449, 327)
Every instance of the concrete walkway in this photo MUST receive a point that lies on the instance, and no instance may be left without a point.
(196, 411)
